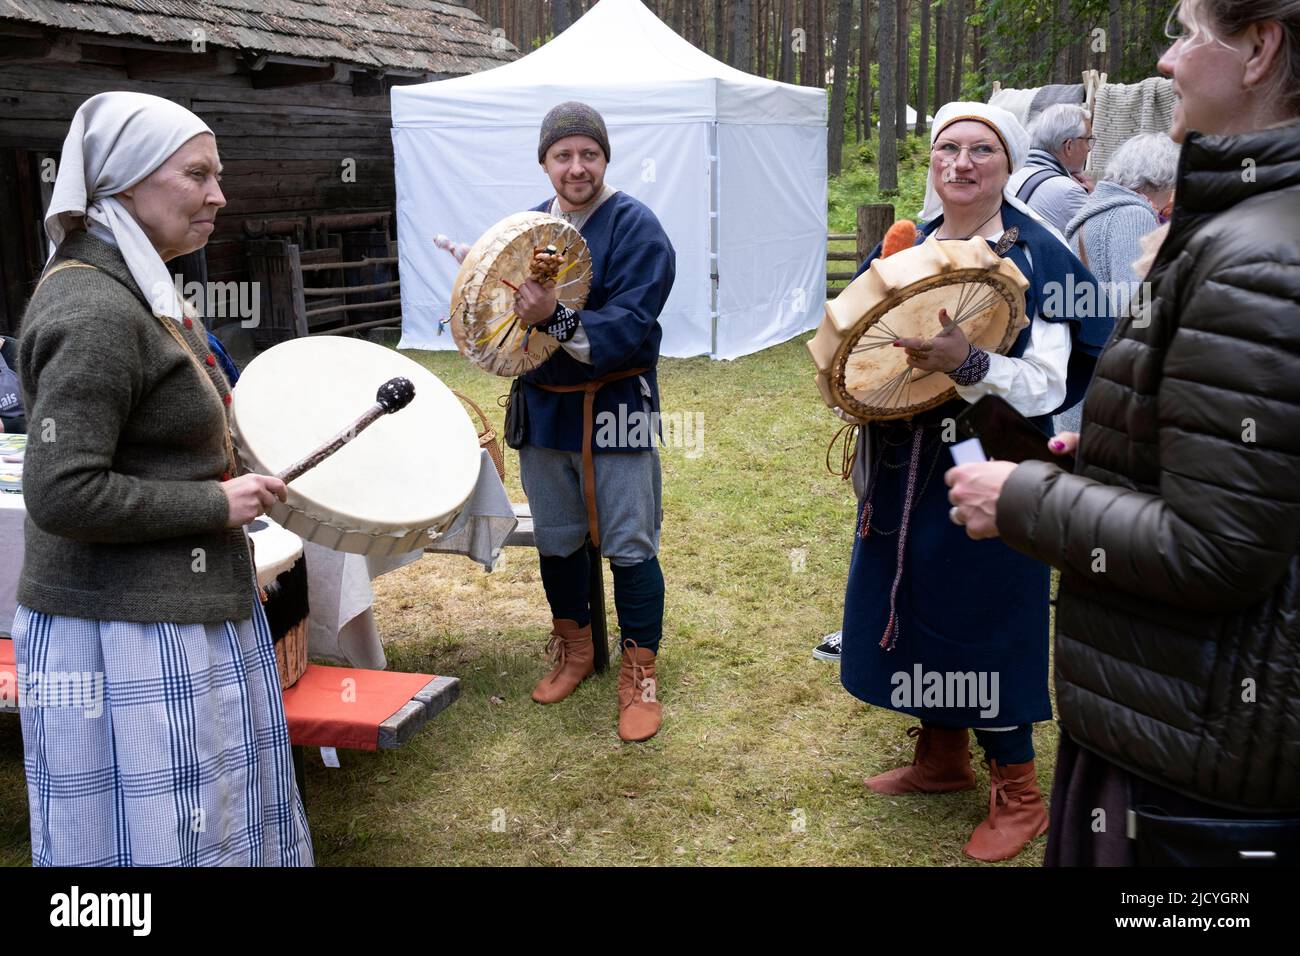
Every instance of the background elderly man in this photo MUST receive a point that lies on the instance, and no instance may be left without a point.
(1050, 182)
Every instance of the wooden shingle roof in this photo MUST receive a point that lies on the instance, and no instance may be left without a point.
(422, 36)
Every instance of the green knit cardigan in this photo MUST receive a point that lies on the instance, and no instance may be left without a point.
(127, 444)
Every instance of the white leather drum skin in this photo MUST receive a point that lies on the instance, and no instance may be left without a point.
(398, 485)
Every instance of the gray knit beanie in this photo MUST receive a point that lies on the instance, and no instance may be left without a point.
(572, 119)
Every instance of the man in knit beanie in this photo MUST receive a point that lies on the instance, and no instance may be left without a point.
(609, 348)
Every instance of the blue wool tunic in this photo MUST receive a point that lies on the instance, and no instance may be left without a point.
(633, 266)
(970, 617)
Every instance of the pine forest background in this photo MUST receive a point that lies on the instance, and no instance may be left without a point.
(930, 51)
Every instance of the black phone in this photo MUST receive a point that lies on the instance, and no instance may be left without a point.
(1006, 434)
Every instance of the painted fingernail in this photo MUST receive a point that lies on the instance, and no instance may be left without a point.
(1056, 444)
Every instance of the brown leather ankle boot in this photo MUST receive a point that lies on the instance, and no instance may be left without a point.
(1016, 813)
(941, 764)
(639, 713)
(571, 650)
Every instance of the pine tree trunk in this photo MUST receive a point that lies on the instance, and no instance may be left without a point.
(900, 117)
(941, 17)
(821, 43)
(839, 91)
(923, 69)
(887, 47)
(740, 34)
(958, 49)
(864, 73)
(1115, 41)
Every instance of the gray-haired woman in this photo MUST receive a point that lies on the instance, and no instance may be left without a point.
(1134, 196)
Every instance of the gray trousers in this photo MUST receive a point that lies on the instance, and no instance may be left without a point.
(629, 502)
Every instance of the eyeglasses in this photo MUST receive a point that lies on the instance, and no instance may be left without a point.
(1175, 29)
(1090, 140)
(979, 154)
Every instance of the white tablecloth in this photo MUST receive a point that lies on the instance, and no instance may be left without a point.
(12, 514)
(342, 626)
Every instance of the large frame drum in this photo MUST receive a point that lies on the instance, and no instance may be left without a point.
(396, 486)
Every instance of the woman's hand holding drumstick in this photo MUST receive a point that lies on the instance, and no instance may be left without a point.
(251, 495)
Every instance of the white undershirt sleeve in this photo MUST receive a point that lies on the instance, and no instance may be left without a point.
(1033, 384)
(579, 346)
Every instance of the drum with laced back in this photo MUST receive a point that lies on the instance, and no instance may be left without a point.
(392, 488)
(900, 296)
(282, 581)
(522, 246)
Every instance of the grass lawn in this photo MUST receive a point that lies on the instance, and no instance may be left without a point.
(762, 752)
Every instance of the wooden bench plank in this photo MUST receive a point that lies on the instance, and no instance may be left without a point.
(431, 700)
(522, 536)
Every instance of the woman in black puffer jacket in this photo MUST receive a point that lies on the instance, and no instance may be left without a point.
(1178, 536)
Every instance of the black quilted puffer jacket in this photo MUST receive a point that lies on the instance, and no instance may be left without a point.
(1178, 537)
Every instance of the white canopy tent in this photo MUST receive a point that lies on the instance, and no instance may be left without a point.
(733, 165)
(911, 119)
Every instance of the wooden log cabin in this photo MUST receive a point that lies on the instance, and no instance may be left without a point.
(295, 90)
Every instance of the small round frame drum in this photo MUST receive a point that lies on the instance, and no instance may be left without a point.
(483, 320)
(858, 368)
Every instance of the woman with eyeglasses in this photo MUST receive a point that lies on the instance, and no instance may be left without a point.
(922, 598)
(1178, 661)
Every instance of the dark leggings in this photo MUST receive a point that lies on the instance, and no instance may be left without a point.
(1005, 746)
(638, 595)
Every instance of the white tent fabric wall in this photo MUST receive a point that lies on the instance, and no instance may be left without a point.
(440, 190)
(466, 156)
(769, 287)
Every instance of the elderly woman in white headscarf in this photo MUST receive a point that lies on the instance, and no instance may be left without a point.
(170, 748)
(927, 610)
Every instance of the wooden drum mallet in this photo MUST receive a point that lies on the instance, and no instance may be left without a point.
(393, 395)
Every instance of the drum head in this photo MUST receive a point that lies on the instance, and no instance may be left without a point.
(860, 370)
(393, 488)
(274, 549)
(483, 321)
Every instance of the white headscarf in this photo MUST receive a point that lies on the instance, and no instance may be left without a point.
(115, 141)
(1010, 134)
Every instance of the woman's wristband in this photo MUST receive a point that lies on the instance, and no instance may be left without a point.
(973, 369)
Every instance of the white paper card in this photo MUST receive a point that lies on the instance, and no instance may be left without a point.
(968, 451)
(330, 756)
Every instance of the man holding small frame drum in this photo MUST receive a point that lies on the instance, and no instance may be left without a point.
(587, 456)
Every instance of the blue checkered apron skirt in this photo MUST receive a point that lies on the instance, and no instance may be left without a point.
(181, 758)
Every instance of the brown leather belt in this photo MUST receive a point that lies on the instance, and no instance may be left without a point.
(589, 390)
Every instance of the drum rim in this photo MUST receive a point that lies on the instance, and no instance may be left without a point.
(887, 284)
(991, 278)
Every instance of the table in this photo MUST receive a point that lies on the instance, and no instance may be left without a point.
(342, 625)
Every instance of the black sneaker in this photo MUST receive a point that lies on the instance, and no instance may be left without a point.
(829, 648)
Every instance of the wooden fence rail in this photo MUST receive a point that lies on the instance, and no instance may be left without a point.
(872, 222)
